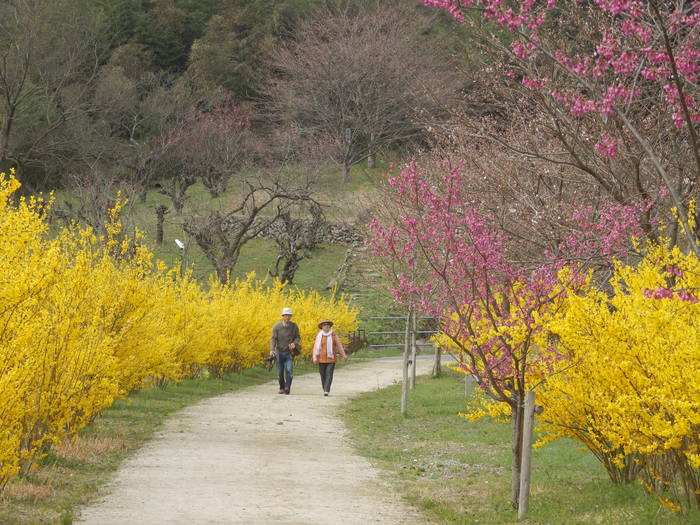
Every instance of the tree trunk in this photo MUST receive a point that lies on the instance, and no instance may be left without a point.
(437, 363)
(6, 132)
(223, 273)
(178, 203)
(526, 453)
(144, 179)
(161, 210)
(346, 173)
(291, 265)
(372, 157)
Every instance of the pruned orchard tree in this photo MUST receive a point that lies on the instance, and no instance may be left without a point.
(174, 165)
(217, 143)
(359, 82)
(207, 144)
(222, 234)
(296, 236)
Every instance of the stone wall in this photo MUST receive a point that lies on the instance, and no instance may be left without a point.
(330, 232)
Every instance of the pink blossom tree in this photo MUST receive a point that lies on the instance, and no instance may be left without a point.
(617, 80)
(451, 263)
(209, 145)
(218, 143)
(549, 212)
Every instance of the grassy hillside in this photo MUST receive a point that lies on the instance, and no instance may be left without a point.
(343, 203)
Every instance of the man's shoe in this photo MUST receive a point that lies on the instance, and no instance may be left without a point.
(282, 391)
(286, 392)
(325, 394)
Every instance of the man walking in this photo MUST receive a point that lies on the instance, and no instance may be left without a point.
(285, 338)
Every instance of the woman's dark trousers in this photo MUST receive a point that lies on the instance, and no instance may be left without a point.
(326, 371)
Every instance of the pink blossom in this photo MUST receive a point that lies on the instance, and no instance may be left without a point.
(519, 49)
(534, 83)
(630, 43)
(607, 146)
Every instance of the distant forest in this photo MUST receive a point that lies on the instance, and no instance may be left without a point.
(113, 92)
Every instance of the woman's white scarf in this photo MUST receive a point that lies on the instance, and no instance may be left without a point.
(329, 342)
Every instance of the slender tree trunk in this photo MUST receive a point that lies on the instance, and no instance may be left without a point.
(6, 132)
(346, 173)
(372, 157)
(526, 453)
(178, 203)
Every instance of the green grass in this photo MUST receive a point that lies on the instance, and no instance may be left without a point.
(70, 474)
(374, 353)
(458, 472)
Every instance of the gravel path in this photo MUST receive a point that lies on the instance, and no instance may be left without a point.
(257, 457)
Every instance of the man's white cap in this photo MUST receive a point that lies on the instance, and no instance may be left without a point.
(286, 311)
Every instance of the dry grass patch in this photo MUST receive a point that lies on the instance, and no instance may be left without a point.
(90, 449)
(26, 491)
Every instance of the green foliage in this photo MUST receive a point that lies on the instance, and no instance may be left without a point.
(120, 20)
(232, 52)
(165, 31)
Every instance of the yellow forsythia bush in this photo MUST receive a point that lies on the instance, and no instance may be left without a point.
(85, 319)
(629, 388)
(245, 313)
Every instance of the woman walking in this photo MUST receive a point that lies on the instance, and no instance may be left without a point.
(324, 353)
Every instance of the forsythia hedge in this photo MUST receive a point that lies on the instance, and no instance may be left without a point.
(625, 376)
(85, 319)
(629, 388)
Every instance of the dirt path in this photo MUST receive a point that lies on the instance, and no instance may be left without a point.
(257, 457)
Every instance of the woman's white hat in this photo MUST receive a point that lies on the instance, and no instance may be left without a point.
(286, 311)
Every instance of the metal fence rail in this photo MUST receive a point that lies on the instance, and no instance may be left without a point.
(401, 342)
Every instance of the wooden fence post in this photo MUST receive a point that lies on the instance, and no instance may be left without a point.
(528, 419)
(468, 385)
(406, 362)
